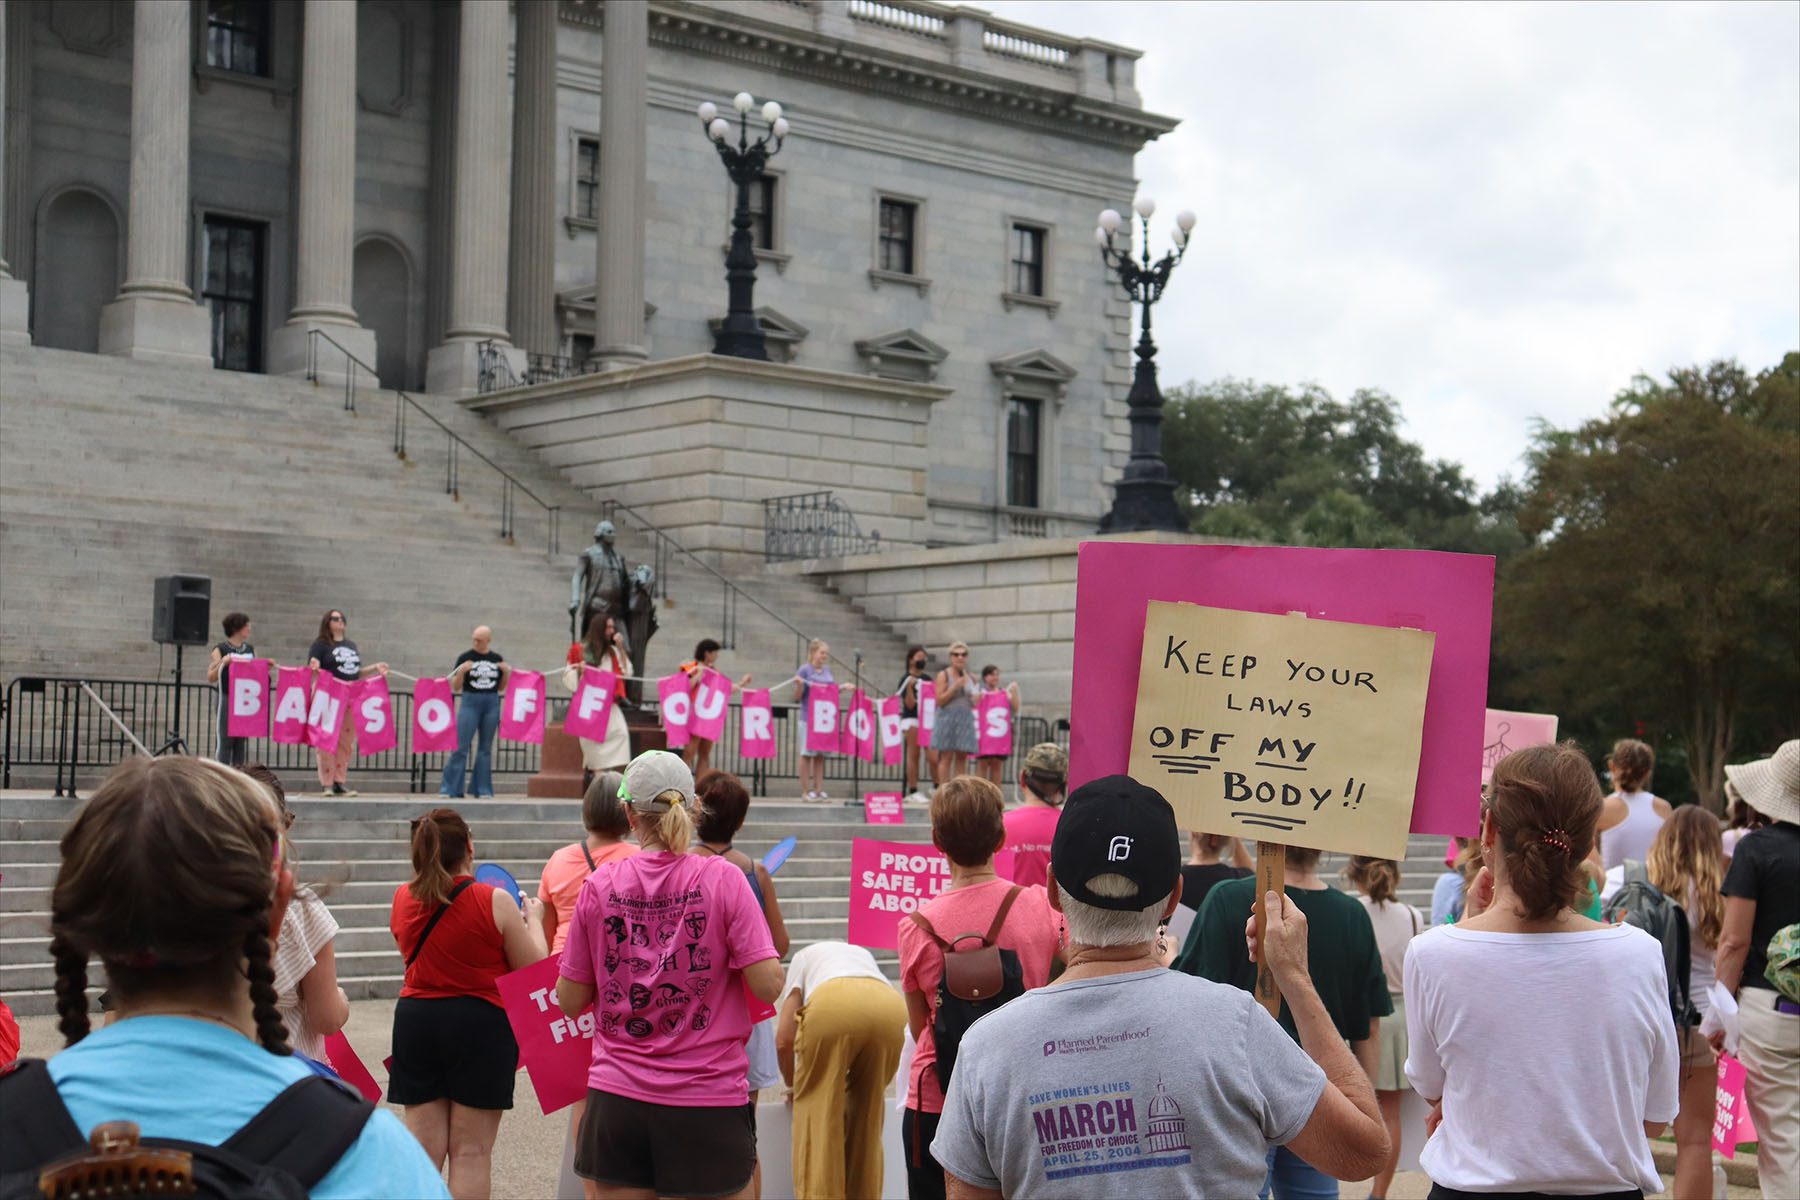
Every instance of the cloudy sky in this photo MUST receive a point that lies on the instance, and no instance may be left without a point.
(1493, 212)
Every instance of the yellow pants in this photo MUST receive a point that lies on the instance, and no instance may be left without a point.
(846, 1050)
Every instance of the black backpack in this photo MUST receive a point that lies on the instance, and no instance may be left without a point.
(1641, 903)
(280, 1154)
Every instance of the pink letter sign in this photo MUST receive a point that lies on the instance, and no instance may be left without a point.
(882, 808)
(927, 710)
(1509, 731)
(893, 741)
(1451, 595)
(325, 719)
(1731, 1112)
(555, 1049)
(756, 736)
(861, 727)
(994, 710)
(434, 716)
(372, 708)
(289, 724)
(590, 708)
(822, 719)
(887, 881)
(677, 708)
(710, 699)
(522, 711)
(247, 682)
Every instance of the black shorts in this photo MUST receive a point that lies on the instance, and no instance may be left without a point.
(669, 1149)
(458, 1048)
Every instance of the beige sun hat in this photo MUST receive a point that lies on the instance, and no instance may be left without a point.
(1771, 785)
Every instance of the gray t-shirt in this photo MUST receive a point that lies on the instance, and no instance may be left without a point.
(1153, 1083)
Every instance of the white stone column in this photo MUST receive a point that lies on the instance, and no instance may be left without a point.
(480, 212)
(531, 272)
(155, 316)
(15, 298)
(325, 218)
(619, 248)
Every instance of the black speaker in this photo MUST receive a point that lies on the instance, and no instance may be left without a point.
(183, 610)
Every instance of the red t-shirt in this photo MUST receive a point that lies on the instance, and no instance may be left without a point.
(465, 953)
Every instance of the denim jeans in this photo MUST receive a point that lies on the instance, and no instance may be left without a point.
(478, 714)
(1292, 1178)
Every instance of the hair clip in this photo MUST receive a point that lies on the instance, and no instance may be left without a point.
(1558, 838)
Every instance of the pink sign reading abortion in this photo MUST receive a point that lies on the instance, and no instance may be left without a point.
(1505, 732)
(372, 708)
(882, 808)
(434, 716)
(887, 881)
(288, 726)
(249, 690)
(1731, 1112)
(756, 731)
(555, 1049)
(1452, 595)
(522, 708)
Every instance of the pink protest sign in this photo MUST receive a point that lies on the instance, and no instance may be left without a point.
(1731, 1112)
(887, 881)
(710, 701)
(288, 726)
(822, 720)
(342, 1059)
(928, 710)
(590, 708)
(522, 709)
(1505, 732)
(372, 709)
(860, 727)
(1451, 595)
(677, 708)
(882, 808)
(555, 1049)
(893, 741)
(247, 683)
(434, 716)
(325, 717)
(756, 731)
(993, 714)
(760, 1010)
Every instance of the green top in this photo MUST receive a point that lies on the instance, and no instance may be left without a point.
(1593, 910)
(1341, 952)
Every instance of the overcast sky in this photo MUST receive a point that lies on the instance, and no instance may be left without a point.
(1493, 212)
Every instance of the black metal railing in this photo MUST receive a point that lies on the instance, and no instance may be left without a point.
(812, 525)
(495, 370)
(456, 448)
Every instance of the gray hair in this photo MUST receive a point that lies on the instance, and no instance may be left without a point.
(1091, 926)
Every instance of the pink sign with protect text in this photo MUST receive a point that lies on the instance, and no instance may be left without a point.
(677, 708)
(822, 720)
(288, 725)
(434, 716)
(372, 711)
(590, 708)
(247, 683)
(1505, 732)
(928, 710)
(1451, 595)
(556, 1050)
(711, 699)
(887, 881)
(993, 711)
(756, 730)
(882, 808)
(328, 711)
(522, 708)
(893, 740)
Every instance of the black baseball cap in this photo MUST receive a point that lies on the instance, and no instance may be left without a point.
(1116, 826)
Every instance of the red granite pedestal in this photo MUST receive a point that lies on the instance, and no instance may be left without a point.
(559, 775)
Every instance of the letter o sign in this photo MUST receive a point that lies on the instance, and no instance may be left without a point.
(434, 716)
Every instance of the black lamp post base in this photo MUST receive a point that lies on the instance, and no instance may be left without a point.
(1141, 505)
(734, 343)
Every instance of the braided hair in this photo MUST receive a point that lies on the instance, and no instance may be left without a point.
(168, 877)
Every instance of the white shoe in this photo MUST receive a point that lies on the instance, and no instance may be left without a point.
(824, 795)
(811, 796)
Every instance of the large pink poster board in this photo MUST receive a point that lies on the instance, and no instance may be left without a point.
(1451, 595)
(1505, 732)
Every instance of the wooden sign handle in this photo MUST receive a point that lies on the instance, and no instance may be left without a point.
(1271, 876)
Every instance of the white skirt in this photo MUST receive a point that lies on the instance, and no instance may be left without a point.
(614, 754)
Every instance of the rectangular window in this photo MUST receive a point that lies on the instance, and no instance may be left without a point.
(587, 178)
(899, 222)
(1023, 426)
(237, 36)
(1027, 260)
(233, 291)
(762, 212)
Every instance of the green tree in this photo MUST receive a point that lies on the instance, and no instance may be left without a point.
(1661, 588)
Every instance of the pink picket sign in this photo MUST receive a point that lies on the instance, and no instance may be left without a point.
(993, 711)
(893, 741)
(555, 1050)
(677, 708)
(859, 726)
(711, 699)
(372, 709)
(288, 725)
(887, 881)
(882, 808)
(247, 685)
(822, 720)
(326, 715)
(590, 708)
(522, 708)
(756, 729)
(341, 1058)
(927, 710)
(434, 716)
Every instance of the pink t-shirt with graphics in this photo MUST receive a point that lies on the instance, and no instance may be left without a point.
(664, 938)
(1029, 829)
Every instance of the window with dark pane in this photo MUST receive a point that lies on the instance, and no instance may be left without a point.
(899, 221)
(237, 36)
(233, 290)
(1023, 427)
(762, 212)
(1027, 260)
(587, 178)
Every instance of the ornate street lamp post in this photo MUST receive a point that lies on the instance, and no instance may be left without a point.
(1144, 498)
(741, 335)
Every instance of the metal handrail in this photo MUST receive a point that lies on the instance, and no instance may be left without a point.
(511, 484)
(112, 716)
(813, 525)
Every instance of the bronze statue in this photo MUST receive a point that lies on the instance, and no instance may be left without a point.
(603, 585)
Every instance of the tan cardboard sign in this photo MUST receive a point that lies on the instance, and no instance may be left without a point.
(1281, 728)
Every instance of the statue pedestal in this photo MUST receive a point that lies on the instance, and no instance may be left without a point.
(647, 732)
(559, 773)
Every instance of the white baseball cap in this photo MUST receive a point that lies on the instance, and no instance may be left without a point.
(656, 781)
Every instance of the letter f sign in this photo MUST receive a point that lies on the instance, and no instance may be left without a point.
(1119, 849)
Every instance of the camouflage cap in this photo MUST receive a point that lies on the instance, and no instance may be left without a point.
(1047, 758)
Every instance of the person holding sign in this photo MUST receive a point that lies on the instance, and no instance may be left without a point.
(698, 752)
(1125, 1079)
(332, 651)
(1515, 1011)
(232, 751)
(813, 678)
(480, 675)
(603, 647)
(955, 737)
(908, 691)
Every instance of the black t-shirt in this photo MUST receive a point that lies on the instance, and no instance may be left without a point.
(1765, 868)
(230, 652)
(484, 673)
(1197, 879)
(340, 658)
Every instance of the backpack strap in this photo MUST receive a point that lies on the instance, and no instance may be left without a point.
(919, 920)
(1635, 872)
(1000, 915)
(589, 855)
(435, 918)
(304, 1131)
(37, 1125)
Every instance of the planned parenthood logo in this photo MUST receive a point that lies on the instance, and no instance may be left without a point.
(1100, 1041)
